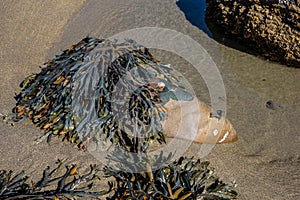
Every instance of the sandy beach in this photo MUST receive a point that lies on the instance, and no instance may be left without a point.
(264, 162)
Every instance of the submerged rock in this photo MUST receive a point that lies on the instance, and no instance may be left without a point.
(270, 27)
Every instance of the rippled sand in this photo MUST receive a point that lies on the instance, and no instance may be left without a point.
(264, 161)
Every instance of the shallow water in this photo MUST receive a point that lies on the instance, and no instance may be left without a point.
(194, 11)
(267, 138)
(264, 161)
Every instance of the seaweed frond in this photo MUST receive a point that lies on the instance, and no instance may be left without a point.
(70, 185)
(140, 177)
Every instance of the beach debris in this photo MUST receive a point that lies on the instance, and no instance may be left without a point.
(137, 176)
(70, 185)
(100, 90)
(212, 128)
(218, 114)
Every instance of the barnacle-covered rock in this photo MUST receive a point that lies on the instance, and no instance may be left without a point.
(100, 90)
(270, 27)
(140, 177)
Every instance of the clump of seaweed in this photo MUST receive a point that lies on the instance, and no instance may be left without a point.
(100, 90)
(136, 176)
(70, 185)
(139, 177)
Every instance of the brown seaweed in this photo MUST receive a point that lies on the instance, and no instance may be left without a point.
(70, 185)
(100, 90)
(135, 176)
(140, 177)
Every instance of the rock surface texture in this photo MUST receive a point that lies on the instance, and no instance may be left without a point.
(270, 27)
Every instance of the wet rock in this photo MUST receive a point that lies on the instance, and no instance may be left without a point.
(269, 27)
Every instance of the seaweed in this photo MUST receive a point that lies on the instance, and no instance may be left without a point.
(139, 176)
(135, 176)
(106, 91)
(70, 185)
(100, 90)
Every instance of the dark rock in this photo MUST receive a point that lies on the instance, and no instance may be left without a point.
(269, 27)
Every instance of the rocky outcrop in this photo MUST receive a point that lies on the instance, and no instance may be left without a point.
(270, 27)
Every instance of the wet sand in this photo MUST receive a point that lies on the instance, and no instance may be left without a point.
(265, 160)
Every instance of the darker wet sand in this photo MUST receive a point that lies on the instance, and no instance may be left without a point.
(264, 161)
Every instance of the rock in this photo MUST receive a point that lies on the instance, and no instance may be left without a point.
(269, 27)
